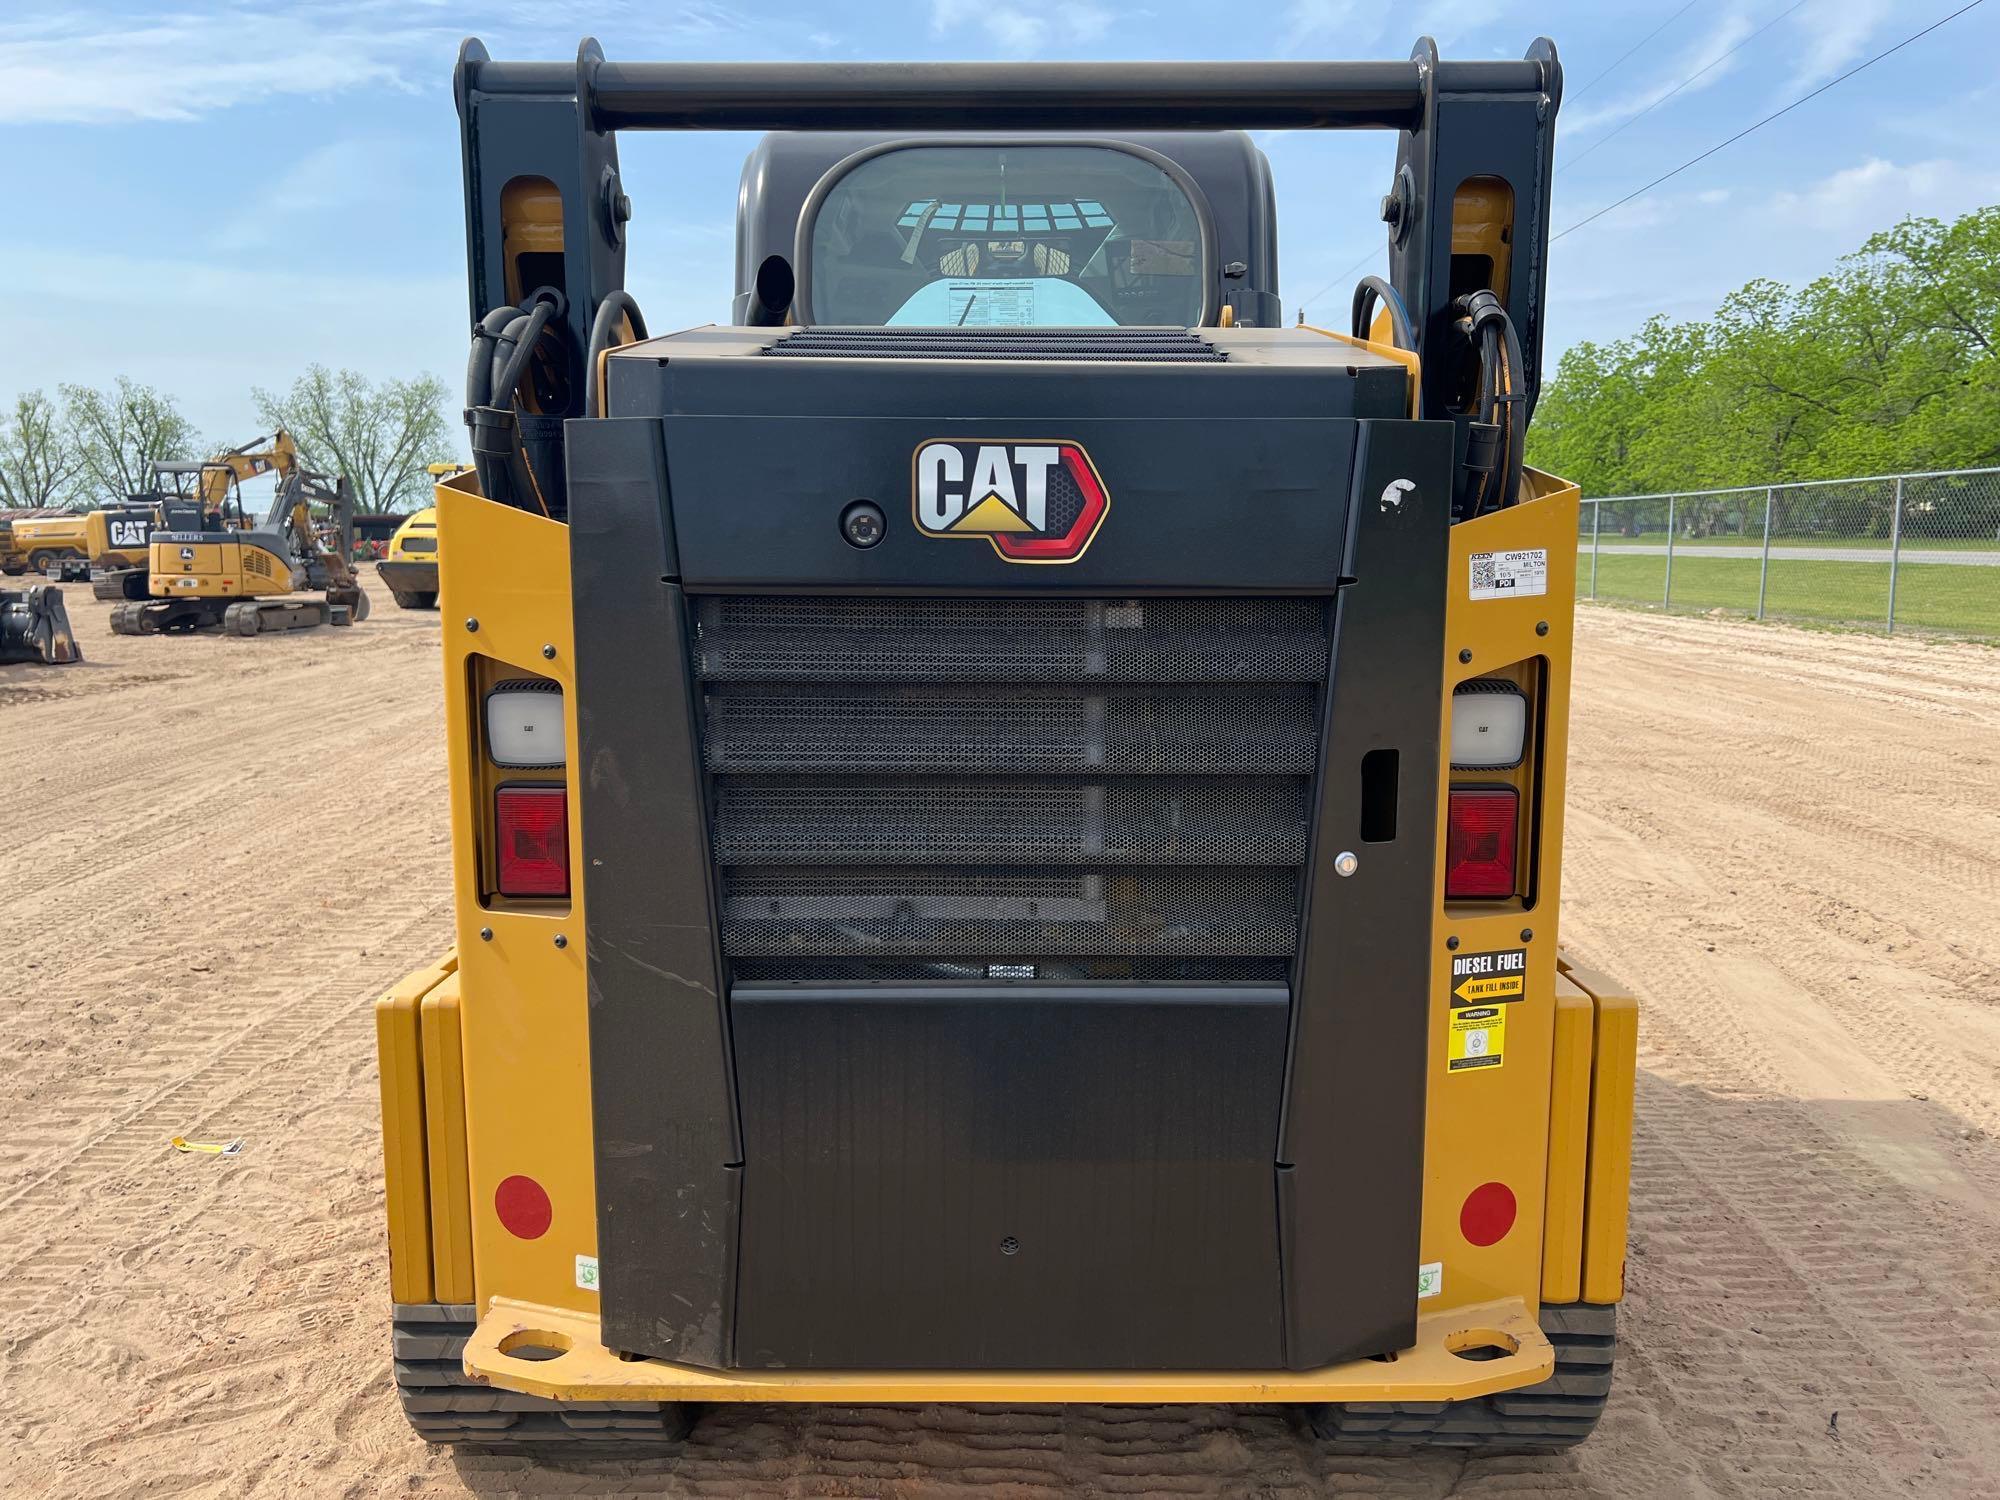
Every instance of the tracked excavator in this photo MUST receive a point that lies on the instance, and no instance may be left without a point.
(184, 494)
(278, 574)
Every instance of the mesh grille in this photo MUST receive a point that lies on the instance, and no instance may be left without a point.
(1138, 820)
(1154, 345)
(1032, 788)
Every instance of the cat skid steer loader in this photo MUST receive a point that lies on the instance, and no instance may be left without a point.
(1007, 806)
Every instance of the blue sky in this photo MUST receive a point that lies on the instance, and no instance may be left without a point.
(223, 193)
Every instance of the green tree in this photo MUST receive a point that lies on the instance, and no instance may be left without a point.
(1891, 361)
(119, 433)
(40, 463)
(381, 437)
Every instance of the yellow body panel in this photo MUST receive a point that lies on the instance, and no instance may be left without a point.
(1613, 1075)
(423, 523)
(1428, 1371)
(523, 1012)
(444, 1138)
(406, 1177)
(1492, 1124)
(222, 569)
(1569, 1145)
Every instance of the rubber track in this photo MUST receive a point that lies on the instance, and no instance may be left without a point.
(1558, 1413)
(444, 1406)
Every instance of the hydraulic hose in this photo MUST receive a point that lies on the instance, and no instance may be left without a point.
(1366, 291)
(479, 367)
(614, 306)
(1501, 401)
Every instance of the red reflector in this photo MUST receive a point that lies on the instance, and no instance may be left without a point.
(1479, 841)
(523, 1207)
(532, 823)
(1488, 1214)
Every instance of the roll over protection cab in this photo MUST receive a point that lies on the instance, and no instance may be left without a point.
(962, 892)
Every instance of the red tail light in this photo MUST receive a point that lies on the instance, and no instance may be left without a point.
(1479, 842)
(533, 827)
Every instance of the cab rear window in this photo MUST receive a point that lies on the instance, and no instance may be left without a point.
(988, 236)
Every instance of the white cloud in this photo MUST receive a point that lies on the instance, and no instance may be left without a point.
(77, 67)
(1357, 28)
(1706, 53)
(338, 175)
(1025, 28)
(1835, 35)
(1875, 193)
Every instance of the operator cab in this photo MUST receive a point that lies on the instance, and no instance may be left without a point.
(988, 231)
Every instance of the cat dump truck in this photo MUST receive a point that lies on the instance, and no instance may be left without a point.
(1007, 806)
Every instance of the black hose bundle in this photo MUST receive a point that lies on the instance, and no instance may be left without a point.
(504, 346)
(1366, 291)
(1502, 403)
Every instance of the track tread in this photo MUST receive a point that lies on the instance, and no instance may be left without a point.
(1555, 1413)
(444, 1406)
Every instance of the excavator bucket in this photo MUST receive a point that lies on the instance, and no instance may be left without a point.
(34, 626)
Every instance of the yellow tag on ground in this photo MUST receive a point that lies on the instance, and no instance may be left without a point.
(212, 1148)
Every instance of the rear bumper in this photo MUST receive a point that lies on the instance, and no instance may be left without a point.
(409, 577)
(1431, 1370)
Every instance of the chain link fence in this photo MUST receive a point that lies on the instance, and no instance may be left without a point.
(1896, 552)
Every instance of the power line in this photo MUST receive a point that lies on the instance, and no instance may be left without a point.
(1634, 48)
(1620, 62)
(1337, 280)
(1691, 78)
(1760, 124)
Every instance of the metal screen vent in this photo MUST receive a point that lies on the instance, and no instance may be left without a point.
(1027, 789)
(1170, 345)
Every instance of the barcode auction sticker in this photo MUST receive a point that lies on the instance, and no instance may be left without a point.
(1510, 575)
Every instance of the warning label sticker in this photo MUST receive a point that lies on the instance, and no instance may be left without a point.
(1489, 978)
(1510, 575)
(1478, 1037)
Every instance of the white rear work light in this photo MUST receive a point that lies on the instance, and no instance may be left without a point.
(524, 725)
(1489, 725)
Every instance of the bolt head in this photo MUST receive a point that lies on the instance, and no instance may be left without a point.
(1344, 863)
(1451, 943)
(1541, 627)
(471, 622)
(1465, 657)
(1527, 934)
(486, 934)
(549, 652)
(561, 941)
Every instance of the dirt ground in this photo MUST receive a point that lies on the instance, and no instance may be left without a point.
(218, 851)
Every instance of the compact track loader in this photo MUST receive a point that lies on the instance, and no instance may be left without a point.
(1007, 806)
(249, 579)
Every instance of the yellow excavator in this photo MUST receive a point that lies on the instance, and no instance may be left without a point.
(278, 574)
(184, 494)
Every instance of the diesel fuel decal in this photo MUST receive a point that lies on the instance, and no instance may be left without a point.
(1036, 502)
(1478, 1038)
(1489, 978)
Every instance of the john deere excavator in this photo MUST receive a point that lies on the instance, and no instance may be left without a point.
(257, 578)
(186, 495)
(1007, 806)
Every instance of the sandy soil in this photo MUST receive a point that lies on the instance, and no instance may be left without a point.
(220, 850)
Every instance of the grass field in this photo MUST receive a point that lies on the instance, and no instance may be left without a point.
(1911, 539)
(1929, 596)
